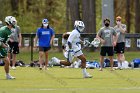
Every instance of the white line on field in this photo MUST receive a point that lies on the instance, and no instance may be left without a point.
(71, 89)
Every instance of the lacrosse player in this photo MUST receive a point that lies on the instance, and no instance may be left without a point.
(74, 49)
(105, 35)
(120, 46)
(5, 33)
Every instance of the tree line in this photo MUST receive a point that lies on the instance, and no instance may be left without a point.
(62, 13)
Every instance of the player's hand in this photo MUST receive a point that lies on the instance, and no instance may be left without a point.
(114, 43)
(19, 44)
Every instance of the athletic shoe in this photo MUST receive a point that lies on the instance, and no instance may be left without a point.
(40, 68)
(10, 77)
(87, 75)
(55, 60)
(13, 67)
(100, 69)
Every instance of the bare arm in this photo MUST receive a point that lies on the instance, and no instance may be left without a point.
(52, 38)
(123, 30)
(20, 39)
(36, 39)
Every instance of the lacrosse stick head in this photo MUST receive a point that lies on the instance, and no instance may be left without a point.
(96, 42)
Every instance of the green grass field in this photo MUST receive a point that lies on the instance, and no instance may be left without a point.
(69, 80)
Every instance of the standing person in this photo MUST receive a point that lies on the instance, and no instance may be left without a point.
(44, 36)
(14, 43)
(120, 46)
(5, 33)
(105, 35)
(73, 49)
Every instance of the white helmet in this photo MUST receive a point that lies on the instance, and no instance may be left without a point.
(79, 25)
(10, 20)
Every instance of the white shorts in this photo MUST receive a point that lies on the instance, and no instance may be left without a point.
(76, 54)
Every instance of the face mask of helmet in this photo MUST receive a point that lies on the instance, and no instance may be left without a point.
(80, 28)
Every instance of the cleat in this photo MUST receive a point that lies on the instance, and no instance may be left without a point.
(87, 75)
(9, 77)
(54, 61)
(13, 67)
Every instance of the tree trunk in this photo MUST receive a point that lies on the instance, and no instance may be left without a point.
(137, 16)
(14, 5)
(74, 10)
(89, 15)
(128, 16)
(67, 16)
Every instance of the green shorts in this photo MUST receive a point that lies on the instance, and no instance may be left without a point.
(3, 52)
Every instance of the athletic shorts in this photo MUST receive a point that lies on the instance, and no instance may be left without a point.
(106, 51)
(44, 49)
(14, 48)
(3, 53)
(119, 48)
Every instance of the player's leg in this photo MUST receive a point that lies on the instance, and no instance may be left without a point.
(41, 53)
(110, 53)
(46, 49)
(102, 55)
(81, 56)
(46, 59)
(55, 60)
(101, 63)
(111, 62)
(15, 52)
(120, 54)
(83, 66)
(7, 63)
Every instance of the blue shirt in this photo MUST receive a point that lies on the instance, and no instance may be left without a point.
(44, 36)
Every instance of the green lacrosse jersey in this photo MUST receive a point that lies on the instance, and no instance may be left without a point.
(5, 33)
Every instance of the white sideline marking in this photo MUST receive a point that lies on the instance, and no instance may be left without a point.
(71, 89)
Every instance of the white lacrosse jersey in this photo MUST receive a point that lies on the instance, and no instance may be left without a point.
(74, 39)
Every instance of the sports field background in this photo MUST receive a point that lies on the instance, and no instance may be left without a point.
(69, 80)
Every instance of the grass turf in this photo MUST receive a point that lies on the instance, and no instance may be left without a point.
(69, 80)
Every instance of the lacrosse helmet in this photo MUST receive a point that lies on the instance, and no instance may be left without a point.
(79, 25)
(10, 20)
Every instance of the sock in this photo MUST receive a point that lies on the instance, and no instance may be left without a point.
(119, 64)
(7, 74)
(84, 71)
(58, 61)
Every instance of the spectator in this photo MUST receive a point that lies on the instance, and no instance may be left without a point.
(14, 43)
(120, 46)
(105, 35)
(44, 36)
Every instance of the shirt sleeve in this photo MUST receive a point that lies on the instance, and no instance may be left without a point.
(71, 37)
(52, 32)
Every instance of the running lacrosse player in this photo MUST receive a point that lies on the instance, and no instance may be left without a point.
(105, 35)
(5, 33)
(73, 49)
(120, 46)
